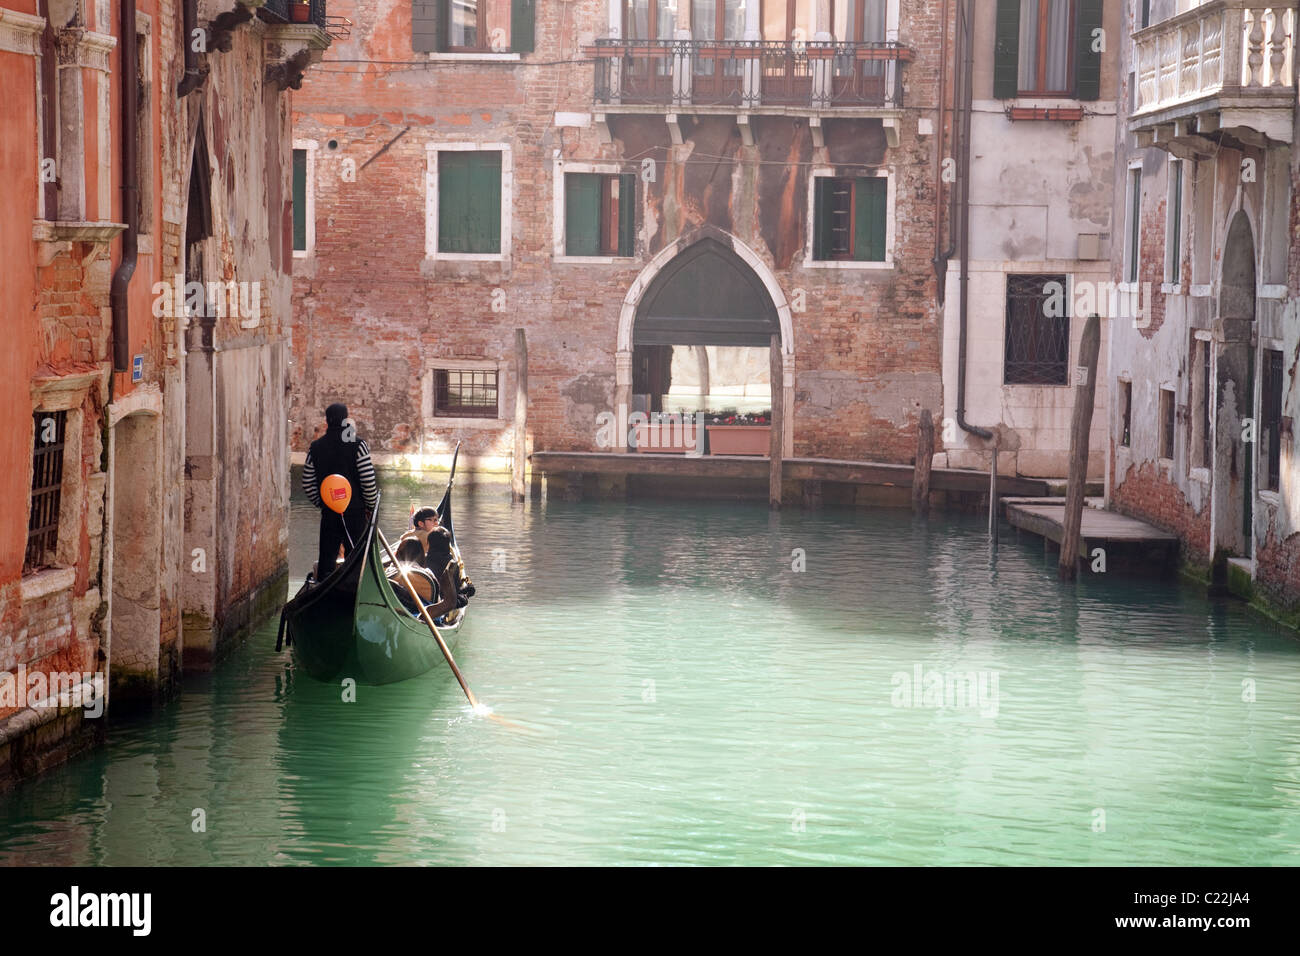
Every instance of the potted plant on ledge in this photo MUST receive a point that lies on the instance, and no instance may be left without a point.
(731, 433)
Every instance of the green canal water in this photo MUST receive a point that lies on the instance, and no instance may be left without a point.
(683, 695)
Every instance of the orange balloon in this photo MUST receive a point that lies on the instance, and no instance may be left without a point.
(336, 492)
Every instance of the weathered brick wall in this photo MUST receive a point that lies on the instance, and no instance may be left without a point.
(371, 315)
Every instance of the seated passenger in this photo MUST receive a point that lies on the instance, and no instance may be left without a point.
(426, 583)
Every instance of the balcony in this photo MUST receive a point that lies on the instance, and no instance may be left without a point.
(741, 76)
(1225, 67)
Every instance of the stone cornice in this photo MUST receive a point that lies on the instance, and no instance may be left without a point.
(20, 32)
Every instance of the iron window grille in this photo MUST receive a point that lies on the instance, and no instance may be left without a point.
(1271, 393)
(465, 393)
(47, 489)
(1126, 413)
(1037, 343)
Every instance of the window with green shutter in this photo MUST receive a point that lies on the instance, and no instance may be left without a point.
(849, 218)
(426, 19)
(599, 214)
(299, 200)
(1046, 48)
(469, 202)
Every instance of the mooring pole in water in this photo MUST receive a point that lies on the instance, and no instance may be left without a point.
(776, 379)
(924, 458)
(517, 489)
(993, 493)
(1084, 393)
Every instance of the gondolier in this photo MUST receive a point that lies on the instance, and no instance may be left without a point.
(340, 451)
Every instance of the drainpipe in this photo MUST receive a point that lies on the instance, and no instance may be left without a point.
(940, 260)
(193, 78)
(130, 92)
(963, 175)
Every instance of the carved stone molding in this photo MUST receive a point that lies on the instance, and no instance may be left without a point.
(20, 32)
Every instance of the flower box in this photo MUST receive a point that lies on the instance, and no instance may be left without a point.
(672, 439)
(739, 439)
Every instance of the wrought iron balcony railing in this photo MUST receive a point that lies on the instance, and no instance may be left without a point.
(749, 74)
(278, 11)
(1236, 48)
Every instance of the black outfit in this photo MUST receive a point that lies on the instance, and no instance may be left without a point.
(332, 455)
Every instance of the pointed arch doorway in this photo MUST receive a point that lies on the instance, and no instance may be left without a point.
(1235, 393)
(705, 290)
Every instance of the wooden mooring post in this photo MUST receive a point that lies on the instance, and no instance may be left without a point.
(924, 459)
(1084, 393)
(776, 376)
(518, 490)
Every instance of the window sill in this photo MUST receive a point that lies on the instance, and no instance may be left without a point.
(1035, 385)
(1171, 288)
(44, 583)
(465, 257)
(450, 420)
(595, 260)
(1202, 291)
(847, 264)
(475, 57)
(303, 253)
(1271, 498)
(1199, 474)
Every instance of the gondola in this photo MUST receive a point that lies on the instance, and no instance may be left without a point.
(351, 624)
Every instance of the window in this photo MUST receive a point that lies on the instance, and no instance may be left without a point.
(1133, 234)
(1174, 226)
(792, 20)
(1037, 343)
(1145, 17)
(1271, 420)
(649, 19)
(469, 202)
(858, 20)
(299, 200)
(144, 128)
(1125, 413)
(1046, 48)
(1166, 423)
(599, 218)
(473, 26)
(47, 489)
(850, 216)
(465, 393)
(1201, 452)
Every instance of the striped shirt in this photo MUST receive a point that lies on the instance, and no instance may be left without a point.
(362, 471)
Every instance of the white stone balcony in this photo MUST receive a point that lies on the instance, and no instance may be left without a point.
(1226, 66)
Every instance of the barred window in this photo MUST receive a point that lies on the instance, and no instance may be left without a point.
(47, 490)
(465, 393)
(1038, 330)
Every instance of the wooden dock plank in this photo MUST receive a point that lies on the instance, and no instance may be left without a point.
(1100, 528)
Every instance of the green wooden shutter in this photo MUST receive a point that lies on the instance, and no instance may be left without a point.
(627, 214)
(426, 23)
(299, 199)
(821, 221)
(870, 214)
(485, 202)
(523, 14)
(1006, 50)
(581, 214)
(453, 201)
(1088, 70)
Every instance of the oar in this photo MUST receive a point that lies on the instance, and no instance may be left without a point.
(424, 613)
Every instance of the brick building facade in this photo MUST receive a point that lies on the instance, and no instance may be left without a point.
(1200, 425)
(466, 176)
(148, 440)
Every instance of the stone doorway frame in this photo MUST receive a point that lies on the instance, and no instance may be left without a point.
(627, 319)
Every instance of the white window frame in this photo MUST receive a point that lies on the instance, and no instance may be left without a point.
(560, 219)
(1175, 210)
(829, 172)
(432, 150)
(1132, 245)
(432, 365)
(309, 190)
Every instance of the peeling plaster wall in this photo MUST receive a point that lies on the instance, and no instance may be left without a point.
(1169, 492)
(373, 317)
(1036, 185)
